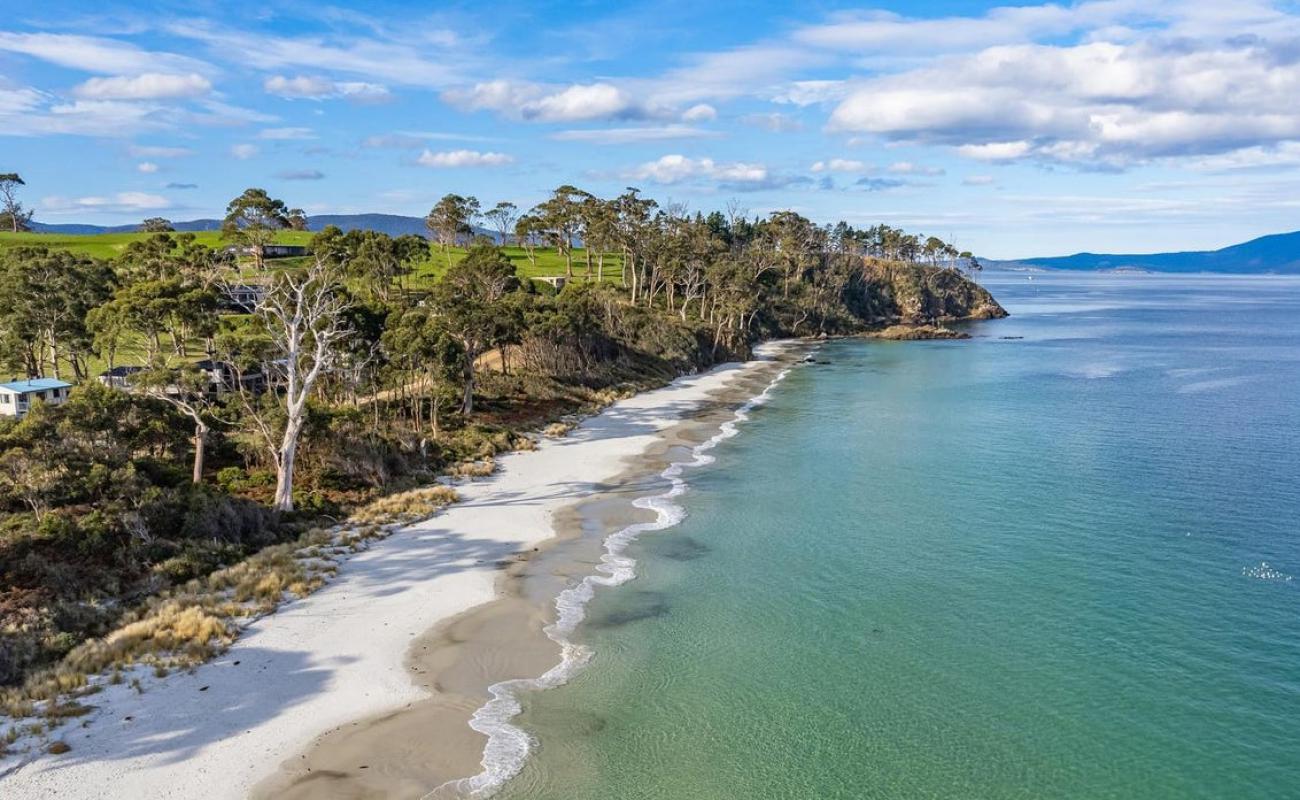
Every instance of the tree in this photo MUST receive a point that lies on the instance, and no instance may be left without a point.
(418, 340)
(12, 214)
(562, 217)
(376, 259)
(156, 225)
(527, 230)
(45, 296)
(187, 391)
(502, 218)
(304, 316)
(452, 218)
(466, 300)
(253, 219)
(600, 224)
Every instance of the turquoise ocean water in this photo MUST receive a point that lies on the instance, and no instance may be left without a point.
(1050, 566)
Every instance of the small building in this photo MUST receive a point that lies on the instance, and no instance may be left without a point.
(556, 281)
(268, 251)
(119, 377)
(242, 297)
(16, 396)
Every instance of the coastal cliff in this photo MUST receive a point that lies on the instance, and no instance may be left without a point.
(886, 293)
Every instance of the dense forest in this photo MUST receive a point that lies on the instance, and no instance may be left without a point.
(222, 399)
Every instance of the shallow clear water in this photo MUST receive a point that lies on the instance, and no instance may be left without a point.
(999, 568)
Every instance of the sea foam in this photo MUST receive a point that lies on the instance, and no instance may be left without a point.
(508, 745)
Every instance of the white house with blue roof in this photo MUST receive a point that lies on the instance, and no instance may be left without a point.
(16, 396)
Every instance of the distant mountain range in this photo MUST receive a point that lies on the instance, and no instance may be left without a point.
(1279, 254)
(391, 224)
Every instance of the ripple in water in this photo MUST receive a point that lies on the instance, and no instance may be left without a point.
(1264, 572)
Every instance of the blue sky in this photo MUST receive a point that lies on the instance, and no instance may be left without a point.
(1110, 125)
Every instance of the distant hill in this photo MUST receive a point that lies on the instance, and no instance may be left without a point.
(76, 229)
(1279, 254)
(391, 224)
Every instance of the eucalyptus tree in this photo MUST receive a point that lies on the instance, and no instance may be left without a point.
(45, 296)
(502, 217)
(156, 225)
(528, 230)
(254, 218)
(304, 317)
(378, 261)
(187, 390)
(467, 300)
(600, 226)
(450, 219)
(12, 213)
(561, 214)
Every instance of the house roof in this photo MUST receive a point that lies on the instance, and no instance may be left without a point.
(35, 385)
(120, 371)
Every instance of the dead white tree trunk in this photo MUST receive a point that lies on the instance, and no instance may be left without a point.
(304, 316)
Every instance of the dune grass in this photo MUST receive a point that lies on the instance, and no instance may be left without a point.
(193, 623)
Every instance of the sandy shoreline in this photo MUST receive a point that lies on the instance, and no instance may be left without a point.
(350, 658)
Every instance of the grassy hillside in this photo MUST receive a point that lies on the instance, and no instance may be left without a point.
(110, 245)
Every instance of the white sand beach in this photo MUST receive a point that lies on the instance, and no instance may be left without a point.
(339, 655)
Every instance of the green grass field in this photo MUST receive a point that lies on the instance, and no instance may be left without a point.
(111, 245)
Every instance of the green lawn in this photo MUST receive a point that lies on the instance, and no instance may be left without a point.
(110, 245)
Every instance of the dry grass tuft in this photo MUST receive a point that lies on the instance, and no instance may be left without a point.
(474, 469)
(404, 507)
(557, 430)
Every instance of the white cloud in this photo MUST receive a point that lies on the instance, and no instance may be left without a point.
(807, 93)
(634, 135)
(286, 134)
(147, 86)
(978, 180)
(676, 168)
(700, 112)
(243, 152)
(121, 202)
(19, 101)
(384, 58)
(300, 86)
(97, 54)
(147, 167)
(995, 151)
(842, 165)
(540, 103)
(774, 122)
(317, 88)
(463, 158)
(1100, 103)
(154, 151)
(909, 168)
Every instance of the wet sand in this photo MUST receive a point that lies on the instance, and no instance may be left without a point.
(419, 750)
